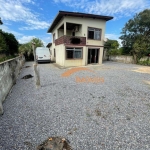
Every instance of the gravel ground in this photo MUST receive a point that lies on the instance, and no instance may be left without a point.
(109, 115)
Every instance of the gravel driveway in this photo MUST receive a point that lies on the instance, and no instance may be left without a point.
(109, 115)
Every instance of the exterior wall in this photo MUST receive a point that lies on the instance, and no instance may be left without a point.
(9, 71)
(60, 32)
(52, 52)
(68, 32)
(55, 31)
(122, 58)
(100, 55)
(144, 58)
(105, 57)
(79, 33)
(125, 59)
(60, 54)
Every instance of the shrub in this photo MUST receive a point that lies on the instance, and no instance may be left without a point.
(145, 62)
(114, 52)
(6, 58)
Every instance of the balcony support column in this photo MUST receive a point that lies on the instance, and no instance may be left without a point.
(64, 28)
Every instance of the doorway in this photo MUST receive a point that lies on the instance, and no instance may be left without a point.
(93, 56)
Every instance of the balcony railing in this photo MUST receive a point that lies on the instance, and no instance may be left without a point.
(71, 40)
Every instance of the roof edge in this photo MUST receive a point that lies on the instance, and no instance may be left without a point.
(75, 14)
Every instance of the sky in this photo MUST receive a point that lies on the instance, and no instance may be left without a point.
(27, 19)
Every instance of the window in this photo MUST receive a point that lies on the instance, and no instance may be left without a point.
(94, 33)
(54, 38)
(73, 53)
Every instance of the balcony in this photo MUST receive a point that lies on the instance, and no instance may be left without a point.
(71, 40)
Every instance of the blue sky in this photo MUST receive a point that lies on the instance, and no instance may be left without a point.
(31, 18)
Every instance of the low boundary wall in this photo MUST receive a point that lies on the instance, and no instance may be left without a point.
(9, 71)
(125, 59)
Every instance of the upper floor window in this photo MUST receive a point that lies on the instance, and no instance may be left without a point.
(54, 38)
(94, 33)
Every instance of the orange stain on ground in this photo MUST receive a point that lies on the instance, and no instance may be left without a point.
(73, 70)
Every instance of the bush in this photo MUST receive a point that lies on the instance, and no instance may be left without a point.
(6, 58)
(114, 52)
(145, 62)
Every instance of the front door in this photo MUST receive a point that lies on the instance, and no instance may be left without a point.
(93, 55)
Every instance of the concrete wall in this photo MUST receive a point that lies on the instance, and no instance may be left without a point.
(9, 71)
(60, 54)
(125, 59)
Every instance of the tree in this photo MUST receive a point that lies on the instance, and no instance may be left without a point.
(112, 44)
(136, 35)
(112, 47)
(11, 42)
(3, 45)
(38, 42)
(26, 48)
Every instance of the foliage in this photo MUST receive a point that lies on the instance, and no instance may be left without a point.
(145, 62)
(136, 35)
(38, 42)
(6, 58)
(27, 50)
(11, 42)
(113, 52)
(3, 45)
(124, 51)
(111, 44)
(112, 47)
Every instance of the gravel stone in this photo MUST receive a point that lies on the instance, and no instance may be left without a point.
(113, 115)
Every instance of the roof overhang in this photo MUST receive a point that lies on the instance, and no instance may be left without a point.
(61, 14)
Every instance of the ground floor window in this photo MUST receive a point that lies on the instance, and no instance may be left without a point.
(73, 53)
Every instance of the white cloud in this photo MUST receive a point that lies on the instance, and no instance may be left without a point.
(25, 39)
(16, 11)
(6, 29)
(116, 8)
(45, 39)
(113, 37)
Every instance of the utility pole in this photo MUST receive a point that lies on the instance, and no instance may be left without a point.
(35, 66)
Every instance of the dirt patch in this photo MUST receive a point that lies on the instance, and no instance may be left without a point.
(27, 76)
(98, 112)
(147, 82)
(55, 143)
(142, 69)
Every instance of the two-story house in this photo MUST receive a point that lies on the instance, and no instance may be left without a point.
(78, 38)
